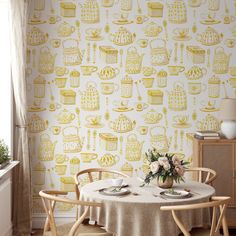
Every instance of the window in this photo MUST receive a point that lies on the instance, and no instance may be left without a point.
(5, 76)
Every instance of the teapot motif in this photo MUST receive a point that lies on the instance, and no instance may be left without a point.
(152, 29)
(108, 160)
(208, 123)
(195, 72)
(46, 148)
(65, 117)
(152, 117)
(159, 52)
(36, 37)
(65, 30)
(159, 138)
(122, 37)
(108, 72)
(122, 124)
(133, 151)
(209, 37)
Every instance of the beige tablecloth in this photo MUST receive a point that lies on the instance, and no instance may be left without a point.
(140, 215)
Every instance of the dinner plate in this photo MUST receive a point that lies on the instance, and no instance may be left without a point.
(178, 194)
(110, 192)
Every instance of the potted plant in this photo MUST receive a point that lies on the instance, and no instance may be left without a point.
(4, 154)
(165, 167)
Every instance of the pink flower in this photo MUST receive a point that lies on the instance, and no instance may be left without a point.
(180, 170)
(176, 160)
(154, 167)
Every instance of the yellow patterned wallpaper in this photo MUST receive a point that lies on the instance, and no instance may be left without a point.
(109, 79)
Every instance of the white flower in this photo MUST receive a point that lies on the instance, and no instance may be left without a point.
(166, 166)
(163, 160)
(154, 167)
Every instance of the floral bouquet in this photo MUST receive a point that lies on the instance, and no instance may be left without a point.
(164, 166)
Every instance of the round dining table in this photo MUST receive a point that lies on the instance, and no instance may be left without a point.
(138, 212)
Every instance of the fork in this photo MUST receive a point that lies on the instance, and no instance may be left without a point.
(158, 195)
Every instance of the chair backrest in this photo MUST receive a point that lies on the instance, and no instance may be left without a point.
(204, 175)
(94, 174)
(50, 197)
(215, 203)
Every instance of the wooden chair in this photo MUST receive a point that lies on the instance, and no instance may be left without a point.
(215, 203)
(99, 174)
(50, 198)
(205, 175)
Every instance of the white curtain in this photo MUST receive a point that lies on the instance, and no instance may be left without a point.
(22, 197)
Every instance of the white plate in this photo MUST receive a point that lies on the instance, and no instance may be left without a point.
(109, 192)
(181, 194)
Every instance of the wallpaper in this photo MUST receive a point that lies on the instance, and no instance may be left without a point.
(109, 79)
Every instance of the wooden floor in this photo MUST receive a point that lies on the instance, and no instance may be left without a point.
(39, 232)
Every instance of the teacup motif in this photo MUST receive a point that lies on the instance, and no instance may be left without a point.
(54, 19)
(148, 71)
(232, 71)
(141, 106)
(175, 70)
(181, 119)
(94, 32)
(93, 119)
(60, 71)
(61, 158)
(109, 87)
(88, 156)
(107, 3)
(233, 82)
(147, 82)
(196, 88)
(121, 104)
(196, 3)
(88, 70)
(140, 19)
(181, 32)
(60, 169)
(208, 105)
(61, 82)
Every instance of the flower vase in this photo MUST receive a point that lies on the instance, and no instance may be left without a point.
(168, 183)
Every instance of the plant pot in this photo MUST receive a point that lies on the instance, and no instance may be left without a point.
(4, 164)
(168, 183)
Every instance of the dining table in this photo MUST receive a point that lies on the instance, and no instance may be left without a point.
(137, 211)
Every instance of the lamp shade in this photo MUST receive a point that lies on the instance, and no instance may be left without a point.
(228, 109)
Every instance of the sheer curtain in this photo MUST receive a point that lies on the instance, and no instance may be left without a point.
(22, 197)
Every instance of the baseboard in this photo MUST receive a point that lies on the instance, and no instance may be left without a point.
(39, 219)
(8, 232)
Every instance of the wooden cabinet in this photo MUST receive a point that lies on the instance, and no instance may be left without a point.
(5, 199)
(219, 155)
